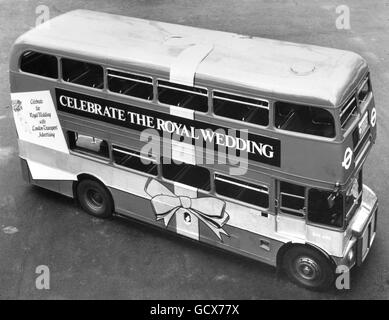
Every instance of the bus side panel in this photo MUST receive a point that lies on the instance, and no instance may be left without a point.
(133, 205)
(134, 202)
(20, 82)
(25, 170)
(52, 185)
(245, 243)
(238, 240)
(64, 187)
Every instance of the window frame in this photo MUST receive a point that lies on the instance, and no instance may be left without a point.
(299, 214)
(348, 215)
(58, 78)
(350, 125)
(358, 91)
(85, 153)
(302, 134)
(164, 178)
(322, 225)
(157, 86)
(346, 123)
(63, 81)
(241, 202)
(254, 125)
(152, 84)
(132, 153)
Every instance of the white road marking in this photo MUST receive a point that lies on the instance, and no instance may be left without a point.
(10, 230)
(6, 153)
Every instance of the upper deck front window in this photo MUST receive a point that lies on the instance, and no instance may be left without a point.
(305, 119)
(348, 111)
(364, 91)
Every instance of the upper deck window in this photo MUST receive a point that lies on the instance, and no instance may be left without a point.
(130, 84)
(193, 98)
(83, 73)
(39, 63)
(304, 119)
(241, 108)
(348, 111)
(364, 91)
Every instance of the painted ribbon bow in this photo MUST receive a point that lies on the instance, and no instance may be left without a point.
(210, 211)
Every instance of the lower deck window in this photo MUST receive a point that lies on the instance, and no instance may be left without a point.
(133, 160)
(191, 175)
(353, 196)
(292, 199)
(325, 207)
(88, 144)
(242, 191)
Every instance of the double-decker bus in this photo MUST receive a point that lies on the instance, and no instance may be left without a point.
(90, 90)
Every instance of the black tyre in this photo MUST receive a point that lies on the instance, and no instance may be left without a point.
(94, 198)
(308, 268)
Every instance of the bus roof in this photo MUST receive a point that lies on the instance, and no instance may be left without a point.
(276, 69)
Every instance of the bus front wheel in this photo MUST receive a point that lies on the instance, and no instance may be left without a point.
(94, 198)
(308, 268)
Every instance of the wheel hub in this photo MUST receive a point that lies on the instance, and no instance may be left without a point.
(95, 198)
(307, 268)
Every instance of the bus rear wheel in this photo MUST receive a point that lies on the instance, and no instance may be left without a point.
(94, 198)
(308, 268)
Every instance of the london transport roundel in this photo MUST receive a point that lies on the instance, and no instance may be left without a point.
(348, 156)
(373, 117)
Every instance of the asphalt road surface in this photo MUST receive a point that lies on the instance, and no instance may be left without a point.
(90, 258)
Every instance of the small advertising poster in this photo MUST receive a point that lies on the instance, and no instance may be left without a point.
(36, 120)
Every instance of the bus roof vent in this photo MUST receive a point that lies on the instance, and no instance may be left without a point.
(302, 68)
(179, 41)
